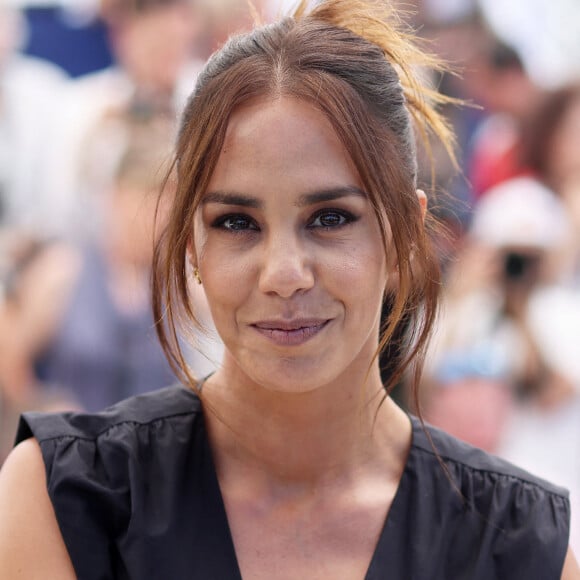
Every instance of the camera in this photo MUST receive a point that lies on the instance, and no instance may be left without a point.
(521, 266)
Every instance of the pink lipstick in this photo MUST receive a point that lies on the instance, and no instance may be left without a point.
(290, 332)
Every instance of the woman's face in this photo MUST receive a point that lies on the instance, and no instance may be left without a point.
(290, 251)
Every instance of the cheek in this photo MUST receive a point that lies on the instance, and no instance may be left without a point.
(360, 271)
(227, 279)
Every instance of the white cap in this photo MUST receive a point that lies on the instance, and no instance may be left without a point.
(520, 212)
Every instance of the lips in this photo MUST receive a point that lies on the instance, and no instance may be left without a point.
(290, 332)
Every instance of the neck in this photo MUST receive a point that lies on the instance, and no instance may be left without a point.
(303, 439)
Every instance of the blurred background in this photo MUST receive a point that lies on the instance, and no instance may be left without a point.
(90, 95)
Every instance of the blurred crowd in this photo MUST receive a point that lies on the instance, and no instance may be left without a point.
(503, 372)
(82, 161)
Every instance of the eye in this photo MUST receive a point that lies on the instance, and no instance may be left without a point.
(235, 223)
(331, 218)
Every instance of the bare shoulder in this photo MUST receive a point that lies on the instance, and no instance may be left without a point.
(571, 569)
(31, 545)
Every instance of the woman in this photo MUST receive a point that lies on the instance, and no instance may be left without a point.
(553, 155)
(296, 210)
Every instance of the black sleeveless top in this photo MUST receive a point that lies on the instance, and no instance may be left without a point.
(136, 496)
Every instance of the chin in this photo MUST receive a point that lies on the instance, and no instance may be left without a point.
(292, 376)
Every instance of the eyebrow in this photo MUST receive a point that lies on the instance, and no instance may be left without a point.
(319, 196)
(226, 198)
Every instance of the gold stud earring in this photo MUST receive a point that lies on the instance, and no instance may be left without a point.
(196, 275)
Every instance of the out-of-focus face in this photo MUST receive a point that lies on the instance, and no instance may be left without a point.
(290, 251)
(130, 222)
(564, 156)
(155, 46)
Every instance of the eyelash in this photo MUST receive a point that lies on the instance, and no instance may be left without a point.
(220, 223)
(345, 218)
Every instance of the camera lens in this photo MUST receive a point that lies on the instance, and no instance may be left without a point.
(515, 265)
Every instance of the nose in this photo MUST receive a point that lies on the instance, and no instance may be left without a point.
(286, 267)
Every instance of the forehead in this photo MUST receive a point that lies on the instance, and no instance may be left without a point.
(287, 113)
(285, 139)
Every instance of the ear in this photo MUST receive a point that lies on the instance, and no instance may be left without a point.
(191, 257)
(393, 279)
(422, 202)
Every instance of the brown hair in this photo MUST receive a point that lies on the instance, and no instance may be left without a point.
(542, 129)
(353, 61)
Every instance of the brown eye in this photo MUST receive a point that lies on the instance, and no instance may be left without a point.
(235, 223)
(331, 219)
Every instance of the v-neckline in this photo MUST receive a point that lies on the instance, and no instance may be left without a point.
(389, 535)
(228, 565)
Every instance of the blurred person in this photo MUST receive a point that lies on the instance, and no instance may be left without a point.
(491, 76)
(504, 366)
(553, 153)
(103, 345)
(29, 88)
(155, 48)
(155, 45)
(33, 273)
(546, 33)
(489, 73)
(482, 80)
(499, 83)
(505, 263)
(554, 140)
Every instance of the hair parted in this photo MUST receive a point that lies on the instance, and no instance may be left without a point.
(356, 62)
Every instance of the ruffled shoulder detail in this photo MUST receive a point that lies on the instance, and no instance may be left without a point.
(100, 466)
(514, 524)
(142, 409)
